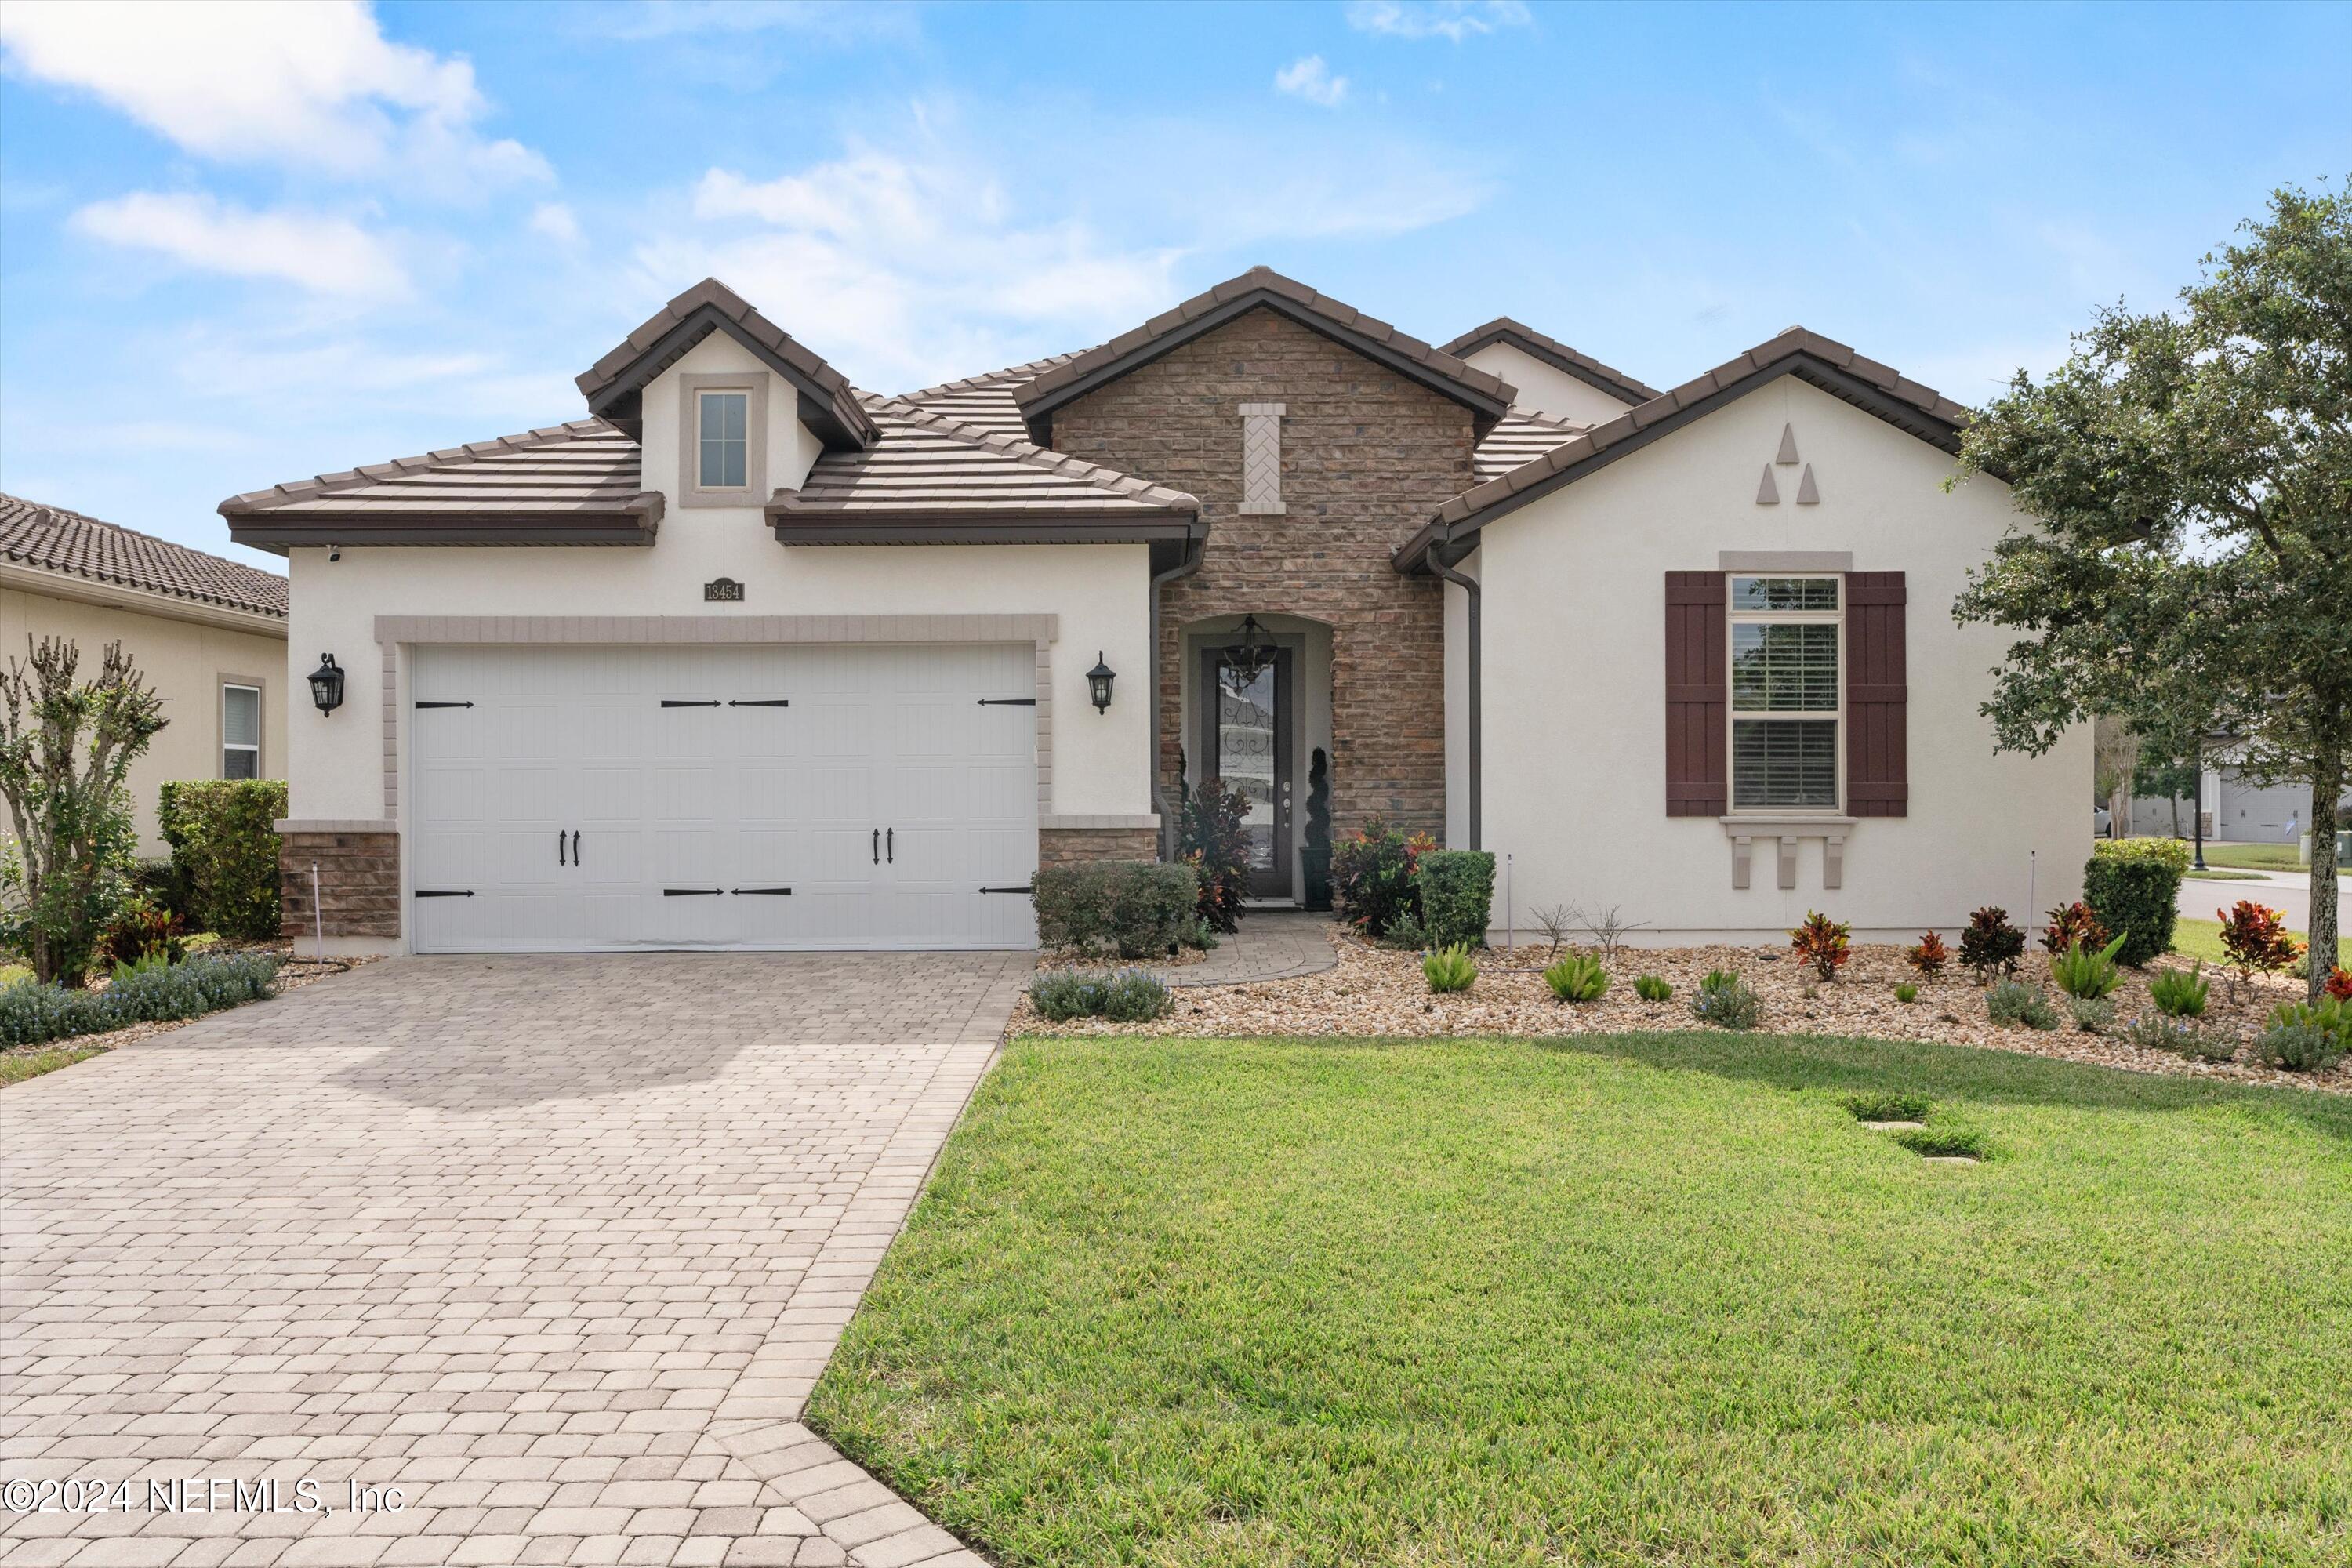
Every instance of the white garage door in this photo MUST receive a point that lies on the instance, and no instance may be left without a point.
(579, 799)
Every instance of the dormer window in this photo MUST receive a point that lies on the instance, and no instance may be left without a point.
(722, 429)
(725, 441)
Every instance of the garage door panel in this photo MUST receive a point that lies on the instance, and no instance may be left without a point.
(875, 740)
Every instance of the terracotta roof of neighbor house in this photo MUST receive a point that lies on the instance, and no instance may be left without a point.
(828, 403)
(1834, 367)
(54, 539)
(931, 475)
(1555, 353)
(576, 483)
(1487, 395)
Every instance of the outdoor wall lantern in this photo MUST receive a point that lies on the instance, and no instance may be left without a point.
(327, 684)
(1098, 681)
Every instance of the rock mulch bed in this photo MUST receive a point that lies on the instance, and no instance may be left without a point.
(293, 976)
(1373, 992)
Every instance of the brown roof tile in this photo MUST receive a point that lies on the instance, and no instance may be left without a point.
(1488, 396)
(72, 545)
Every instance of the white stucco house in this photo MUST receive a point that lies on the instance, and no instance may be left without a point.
(748, 658)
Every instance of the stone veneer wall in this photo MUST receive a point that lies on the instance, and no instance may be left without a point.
(359, 882)
(1068, 846)
(1366, 456)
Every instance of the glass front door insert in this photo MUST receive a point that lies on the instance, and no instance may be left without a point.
(1248, 746)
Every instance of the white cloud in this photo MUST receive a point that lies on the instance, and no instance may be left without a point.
(906, 271)
(555, 220)
(1450, 19)
(643, 19)
(330, 255)
(1310, 79)
(315, 85)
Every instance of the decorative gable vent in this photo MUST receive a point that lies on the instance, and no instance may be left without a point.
(1262, 459)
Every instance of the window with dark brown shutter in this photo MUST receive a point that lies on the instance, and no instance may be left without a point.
(1877, 759)
(1697, 693)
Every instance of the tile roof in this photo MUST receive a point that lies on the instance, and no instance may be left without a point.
(71, 545)
(579, 480)
(1877, 389)
(1555, 353)
(829, 404)
(930, 468)
(1487, 396)
(1519, 439)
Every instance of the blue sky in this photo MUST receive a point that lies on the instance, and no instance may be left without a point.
(247, 244)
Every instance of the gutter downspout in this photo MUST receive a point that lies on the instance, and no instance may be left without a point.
(1195, 550)
(1469, 586)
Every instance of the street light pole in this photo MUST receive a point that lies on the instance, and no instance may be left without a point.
(2199, 759)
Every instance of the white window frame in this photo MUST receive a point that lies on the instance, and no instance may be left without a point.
(1734, 717)
(230, 683)
(691, 390)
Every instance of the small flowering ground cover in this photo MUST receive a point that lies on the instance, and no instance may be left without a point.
(1374, 992)
(1613, 1298)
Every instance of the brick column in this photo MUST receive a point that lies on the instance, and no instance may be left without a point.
(359, 880)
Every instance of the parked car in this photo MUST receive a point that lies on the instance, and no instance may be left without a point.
(2102, 822)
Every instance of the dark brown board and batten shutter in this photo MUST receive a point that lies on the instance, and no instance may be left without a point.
(1698, 694)
(1877, 759)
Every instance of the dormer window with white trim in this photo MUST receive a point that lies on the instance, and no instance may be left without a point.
(722, 439)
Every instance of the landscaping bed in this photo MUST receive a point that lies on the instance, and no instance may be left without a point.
(1629, 1299)
(1377, 992)
(18, 1063)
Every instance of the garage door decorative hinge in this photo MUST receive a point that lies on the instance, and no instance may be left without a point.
(1008, 889)
(692, 892)
(683, 703)
(445, 892)
(1008, 702)
(760, 702)
(445, 705)
(767, 892)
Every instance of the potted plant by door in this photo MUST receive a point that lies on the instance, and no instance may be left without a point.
(1315, 854)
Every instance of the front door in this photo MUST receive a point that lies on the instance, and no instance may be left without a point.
(1248, 746)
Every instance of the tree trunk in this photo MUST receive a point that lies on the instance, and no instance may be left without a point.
(2176, 811)
(2326, 785)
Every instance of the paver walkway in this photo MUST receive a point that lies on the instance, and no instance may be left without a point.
(555, 1245)
(1273, 945)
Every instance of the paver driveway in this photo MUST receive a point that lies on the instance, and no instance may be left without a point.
(555, 1245)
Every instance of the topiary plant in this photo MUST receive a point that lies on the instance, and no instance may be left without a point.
(2131, 886)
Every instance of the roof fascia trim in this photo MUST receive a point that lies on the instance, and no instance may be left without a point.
(920, 528)
(25, 577)
(834, 424)
(1037, 411)
(1458, 539)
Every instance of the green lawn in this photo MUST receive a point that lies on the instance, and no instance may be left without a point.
(16, 1065)
(1650, 1300)
(2253, 856)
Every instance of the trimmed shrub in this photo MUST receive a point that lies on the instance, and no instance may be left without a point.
(31, 1011)
(1725, 1001)
(1652, 988)
(1124, 997)
(1457, 895)
(2130, 885)
(1133, 996)
(2180, 993)
(1579, 977)
(225, 842)
(2015, 1001)
(1450, 968)
(163, 885)
(1135, 909)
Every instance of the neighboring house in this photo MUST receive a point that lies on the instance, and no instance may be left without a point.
(2237, 810)
(209, 635)
(748, 658)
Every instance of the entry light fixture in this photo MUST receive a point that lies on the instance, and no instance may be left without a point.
(1098, 681)
(1249, 656)
(327, 684)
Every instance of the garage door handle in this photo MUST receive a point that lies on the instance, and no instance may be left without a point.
(692, 892)
(767, 892)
